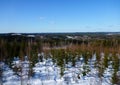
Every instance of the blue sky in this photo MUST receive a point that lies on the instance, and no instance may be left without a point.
(59, 16)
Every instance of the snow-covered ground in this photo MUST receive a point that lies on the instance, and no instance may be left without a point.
(48, 73)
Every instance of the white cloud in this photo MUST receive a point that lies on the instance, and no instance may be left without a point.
(42, 18)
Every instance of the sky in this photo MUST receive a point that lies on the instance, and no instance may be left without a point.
(41, 16)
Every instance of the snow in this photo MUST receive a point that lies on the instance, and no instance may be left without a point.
(47, 73)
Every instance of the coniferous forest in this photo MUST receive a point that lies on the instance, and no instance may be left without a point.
(84, 55)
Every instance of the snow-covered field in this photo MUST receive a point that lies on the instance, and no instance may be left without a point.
(46, 72)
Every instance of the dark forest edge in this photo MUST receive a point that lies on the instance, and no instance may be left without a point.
(16, 44)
